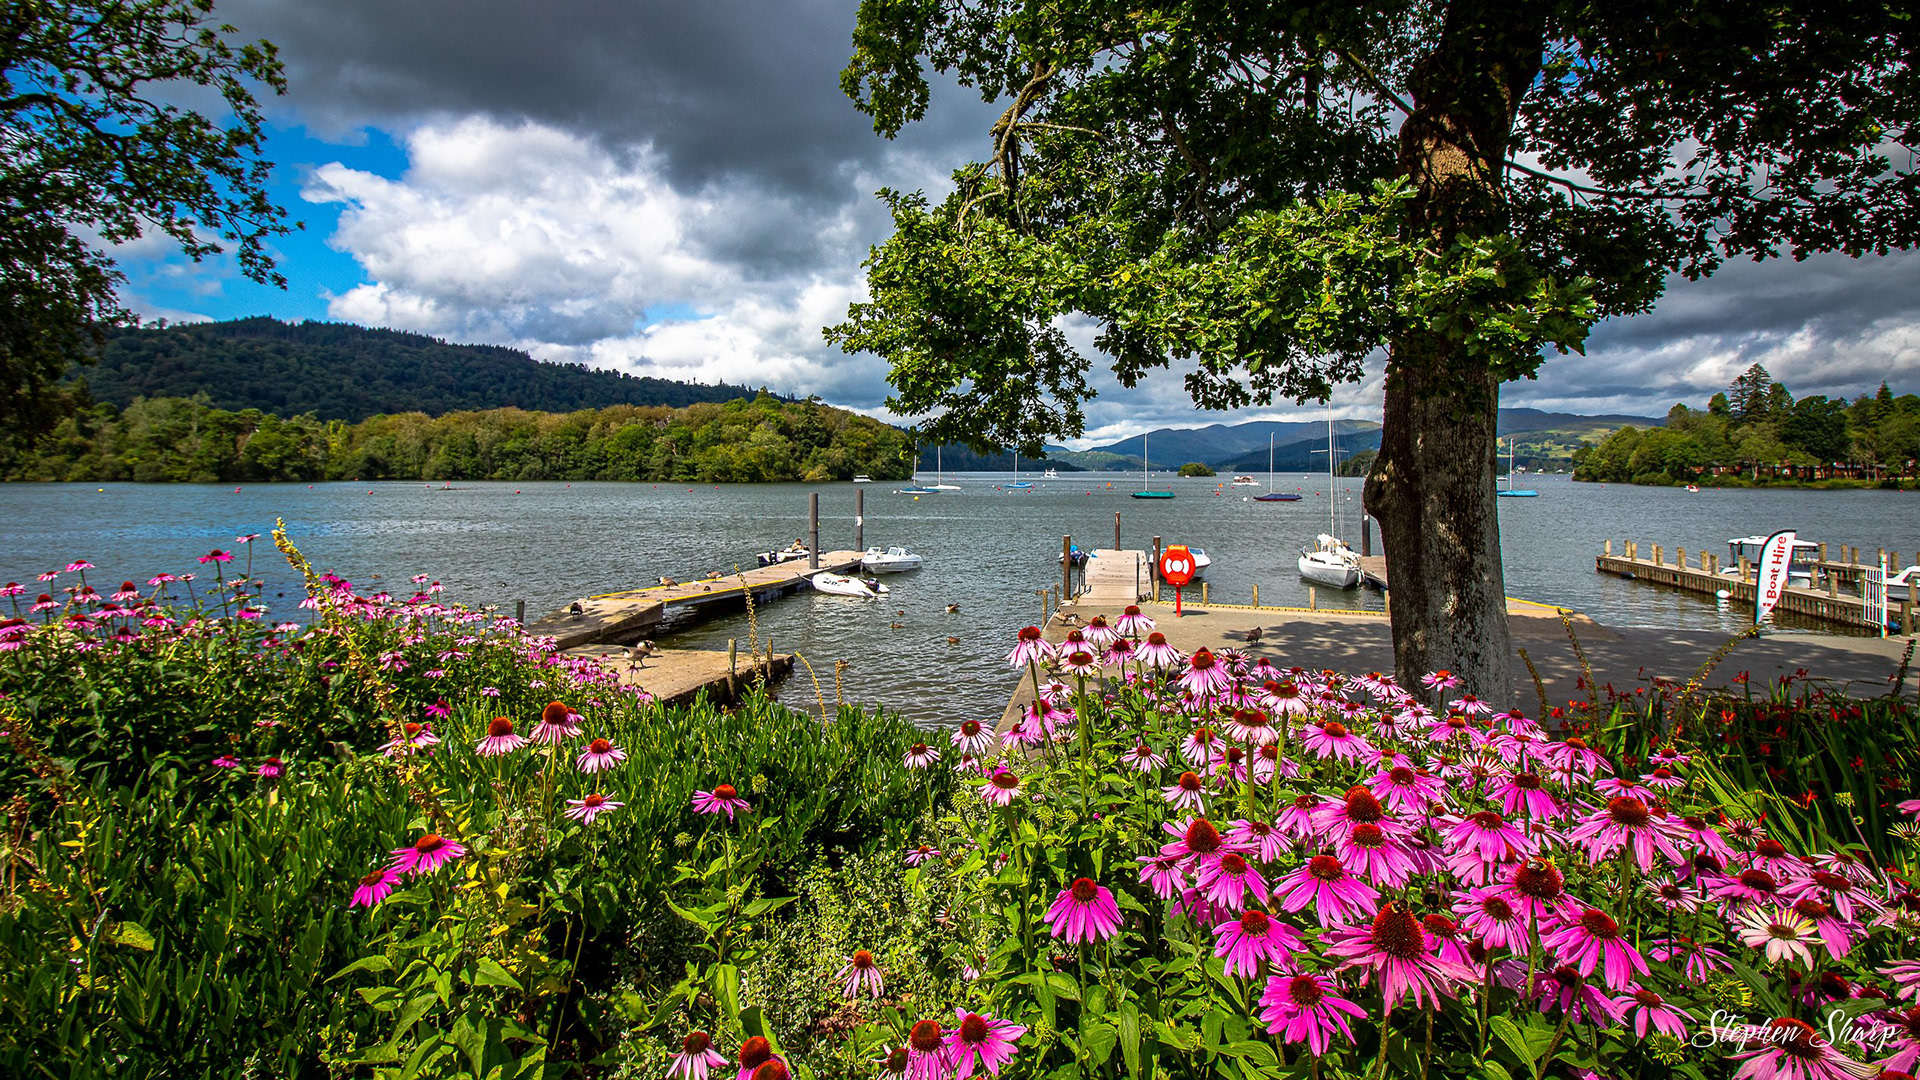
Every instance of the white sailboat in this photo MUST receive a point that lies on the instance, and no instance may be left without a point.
(1511, 492)
(1330, 561)
(1018, 484)
(1143, 493)
(1272, 495)
(940, 473)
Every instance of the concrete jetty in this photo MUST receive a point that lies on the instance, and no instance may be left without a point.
(1838, 597)
(677, 676)
(622, 618)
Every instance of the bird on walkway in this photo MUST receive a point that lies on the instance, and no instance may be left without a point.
(665, 580)
(640, 651)
(953, 609)
(1067, 617)
(1253, 635)
(714, 575)
(576, 609)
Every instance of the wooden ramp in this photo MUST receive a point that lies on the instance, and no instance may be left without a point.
(621, 618)
(1117, 577)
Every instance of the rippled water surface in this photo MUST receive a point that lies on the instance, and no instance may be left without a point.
(988, 549)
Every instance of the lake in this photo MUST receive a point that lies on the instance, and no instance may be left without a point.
(987, 549)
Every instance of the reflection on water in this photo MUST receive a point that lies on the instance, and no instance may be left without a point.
(988, 550)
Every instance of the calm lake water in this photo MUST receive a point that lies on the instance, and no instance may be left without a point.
(987, 549)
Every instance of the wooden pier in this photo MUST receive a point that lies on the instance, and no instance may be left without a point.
(1117, 577)
(1836, 598)
(622, 618)
(678, 676)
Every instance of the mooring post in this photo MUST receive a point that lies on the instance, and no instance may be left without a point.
(1366, 535)
(1116, 530)
(859, 519)
(1153, 570)
(520, 611)
(1608, 550)
(1313, 598)
(1256, 596)
(813, 530)
(1203, 594)
(1066, 566)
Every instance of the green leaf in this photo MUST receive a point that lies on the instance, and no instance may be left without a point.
(1063, 985)
(1504, 1030)
(488, 972)
(1127, 1025)
(132, 935)
(365, 963)
(1097, 1039)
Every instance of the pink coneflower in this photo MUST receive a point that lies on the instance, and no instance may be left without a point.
(557, 724)
(1031, 648)
(1254, 937)
(1440, 680)
(271, 768)
(1252, 727)
(375, 887)
(1537, 891)
(862, 972)
(1297, 821)
(1748, 886)
(927, 1054)
(1199, 745)
(1565, 988)
(1838, 890)
(1263, 841)
(1156, 653)
(981, 1041)
(1143, 758)
(1305, 1008)
(1204, 678)
(721, 800)
(1674, 896)
(1082, 662)
(972, 738)
(1789, 1049)
(920, 854)
(1185, 793)
(1783, 934)
(595, 804)
(1835, 933)
(226, 761)
(599, 755)
(1374, 851)
(1284, 697)
(1199, 842)
(1407, 789)
(695, 1057)
(1118, 654)
(1663, 778)
(919, 756)
(1396, 953)
(128, 591)
(1592, 939)
(1084, 913)
(1336, 895)
(1490, 917)
(427, 854)
(1132, 623)
(1646, 1009)
(1334, 740)
(754, 1053)
(1226, 881)
(412, 737)
(499, 739)
(1626, 822)
(1906, 1052)
(1001, 788)
(45, 602)
(217, 556)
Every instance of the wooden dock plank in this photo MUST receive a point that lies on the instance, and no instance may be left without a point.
(1117, 576)
(677, 676)
(629, 615)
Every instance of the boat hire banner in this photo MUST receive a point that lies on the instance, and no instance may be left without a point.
(1775, 556)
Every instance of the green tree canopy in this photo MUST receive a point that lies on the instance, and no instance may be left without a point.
(93, 146)
(1260, 195)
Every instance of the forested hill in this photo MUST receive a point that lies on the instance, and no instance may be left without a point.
(338, 371)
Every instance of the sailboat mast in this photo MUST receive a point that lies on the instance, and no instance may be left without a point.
(1269, 462)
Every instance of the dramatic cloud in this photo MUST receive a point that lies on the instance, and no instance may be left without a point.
(683, 190)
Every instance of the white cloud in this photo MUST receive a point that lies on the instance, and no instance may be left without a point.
(530, 236)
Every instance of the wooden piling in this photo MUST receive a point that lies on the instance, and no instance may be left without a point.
(1116, 530)
(1153, 570)
(1313, 599)
(520, 612)
(859, 519)
(1066, 565)
(1203, 594)
(1256, 596)
(813, 530)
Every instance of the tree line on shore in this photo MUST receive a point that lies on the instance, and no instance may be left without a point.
(1757, 432)
(750, 440)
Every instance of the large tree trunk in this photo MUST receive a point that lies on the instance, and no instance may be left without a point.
(1432, 486)
(1432, 490)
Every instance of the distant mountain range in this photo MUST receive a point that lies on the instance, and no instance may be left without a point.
(1242, 448)
(339, 371)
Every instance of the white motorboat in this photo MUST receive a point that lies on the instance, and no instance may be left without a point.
(890, 561)
(1245, 481)
(1901, 586)
(1200, 563)
(842, 585)
(862, 478)
(788, 554)
(1330, 562)
(1050, 474)
(1799, 564)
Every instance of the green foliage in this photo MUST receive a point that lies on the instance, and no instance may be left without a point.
(98, 148)
(1196, 468)
(1757, 431)
(164, 915)
(338, 371)
(758, 440)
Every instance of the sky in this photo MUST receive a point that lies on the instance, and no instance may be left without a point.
(682, 190)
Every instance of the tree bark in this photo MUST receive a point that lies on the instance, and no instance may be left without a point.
(1432, 485)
